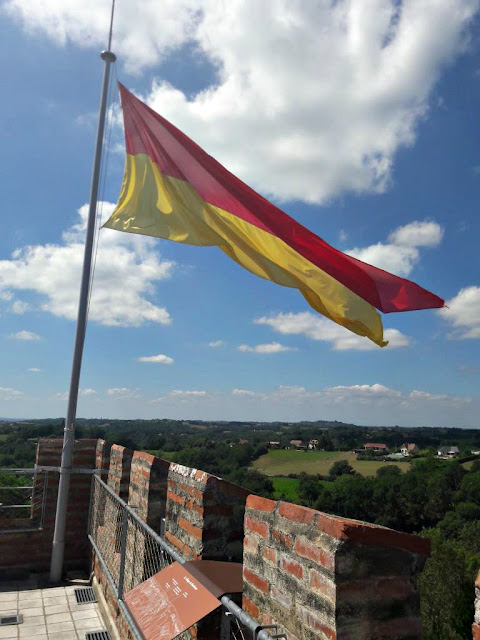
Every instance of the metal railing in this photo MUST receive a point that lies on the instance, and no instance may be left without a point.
(130, 552)
(22, 506)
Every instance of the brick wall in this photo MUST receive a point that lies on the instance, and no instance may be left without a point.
(204, 515)
(476, 623)
(322, 577)
(32, 548)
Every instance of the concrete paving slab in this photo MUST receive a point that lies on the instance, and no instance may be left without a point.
(88, 623)
(8, 596)
(60, 626)
(36, 630)
(84, 615)
(30, 604)
(65, 635)
(30, 612)
(9, 632)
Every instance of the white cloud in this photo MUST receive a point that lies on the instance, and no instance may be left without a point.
(7, 393)
(272, 347)
(360, 395)
(20, 307)
(363, 391)
(179, 394)
(35, 370)
(463, 313)
(418, 234)
(24, 335)
(246, 393)
(83, 393)
(443, 398)
(319, 328)
(216, 344)
(400, 254)
(123, 393)
(160, 359)
(314, 129)
(127, 267)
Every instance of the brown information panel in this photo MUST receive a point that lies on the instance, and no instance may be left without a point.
(169, 602)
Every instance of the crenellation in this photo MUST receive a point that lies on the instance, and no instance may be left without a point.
(315, 575)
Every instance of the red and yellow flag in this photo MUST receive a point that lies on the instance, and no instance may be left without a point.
(172, 189)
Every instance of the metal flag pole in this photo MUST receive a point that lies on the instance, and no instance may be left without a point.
(56, 566)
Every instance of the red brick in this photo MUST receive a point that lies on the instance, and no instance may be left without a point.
(294, 512)
(477, 580)
(260, 504)
(143, 455)
(260, 528)
(185, 488)
(269, 554)
(370, 534)
(476, 631)
(293, 568)
(175, 498)
(251, 608)
(194, 531)
(409, 627)
(255, 581)
(184, 549)
(315, 553)
(310, 620)
(396, 588)
(357, 590)
(283, 598)
(321, 583)
(250, 544)
(283, 539)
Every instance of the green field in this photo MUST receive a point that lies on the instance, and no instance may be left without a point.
(286, 487)
(282, 462)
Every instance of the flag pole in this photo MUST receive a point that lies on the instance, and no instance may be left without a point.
(58, 547)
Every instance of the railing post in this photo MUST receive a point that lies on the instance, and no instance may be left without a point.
(123, 551)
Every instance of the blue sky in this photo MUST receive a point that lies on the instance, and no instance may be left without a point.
(360, 123)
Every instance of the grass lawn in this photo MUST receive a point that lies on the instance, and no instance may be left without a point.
(287, 487)
(284, 461)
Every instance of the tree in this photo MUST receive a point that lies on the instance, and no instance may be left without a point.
(340, 468)
(446, 591)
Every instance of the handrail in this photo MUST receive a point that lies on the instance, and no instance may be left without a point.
(246, 619)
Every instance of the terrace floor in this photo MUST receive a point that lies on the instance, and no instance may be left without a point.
(50, 613)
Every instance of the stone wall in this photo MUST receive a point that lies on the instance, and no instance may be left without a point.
(31, 548)
(322, 577)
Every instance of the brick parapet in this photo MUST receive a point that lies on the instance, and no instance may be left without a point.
(325, 577)
(102, 455)
(204, 515)
(31, 548)
(118, 478)
(148, 488)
